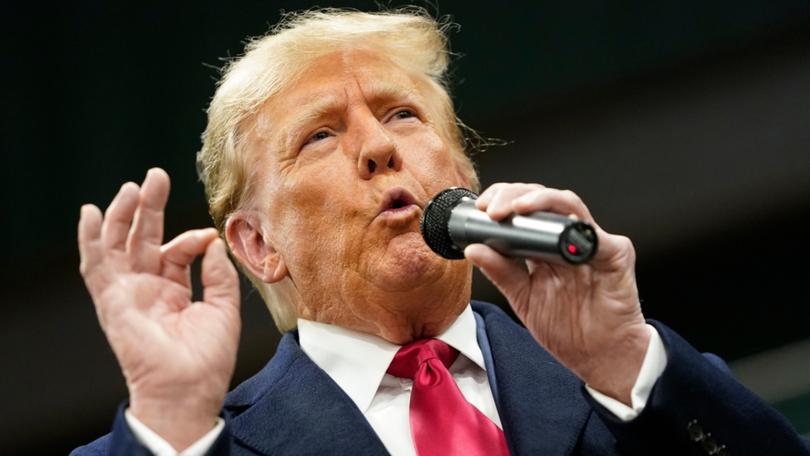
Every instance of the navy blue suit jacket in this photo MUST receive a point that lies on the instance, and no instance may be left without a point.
(292, 407)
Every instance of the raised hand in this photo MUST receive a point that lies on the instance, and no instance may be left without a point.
(177, 355)
(588, 316)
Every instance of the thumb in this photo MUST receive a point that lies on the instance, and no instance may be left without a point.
(508, 275)
(219, 278)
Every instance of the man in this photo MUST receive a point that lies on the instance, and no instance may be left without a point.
(324, 143)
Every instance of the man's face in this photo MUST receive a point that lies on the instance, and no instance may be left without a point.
(345, 160)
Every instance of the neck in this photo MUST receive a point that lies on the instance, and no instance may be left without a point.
(398, 317)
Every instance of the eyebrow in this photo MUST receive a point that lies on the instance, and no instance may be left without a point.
(312, 110)
(321, 106)
(383, 90)
(309, 112)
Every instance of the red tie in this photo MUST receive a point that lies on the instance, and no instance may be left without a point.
(443, 422)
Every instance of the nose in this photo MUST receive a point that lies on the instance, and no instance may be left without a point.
(378, 150)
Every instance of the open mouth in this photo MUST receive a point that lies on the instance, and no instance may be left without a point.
(397, 199)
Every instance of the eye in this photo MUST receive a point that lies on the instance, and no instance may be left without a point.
(404, 114)
(317, 136)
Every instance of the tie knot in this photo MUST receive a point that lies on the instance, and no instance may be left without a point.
(411, 357)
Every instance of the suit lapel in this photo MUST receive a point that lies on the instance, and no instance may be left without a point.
(293, 407)
(540, 402)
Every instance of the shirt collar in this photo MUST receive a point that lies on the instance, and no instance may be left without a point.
(357, 361)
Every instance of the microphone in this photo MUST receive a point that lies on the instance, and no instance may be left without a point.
(451, 222)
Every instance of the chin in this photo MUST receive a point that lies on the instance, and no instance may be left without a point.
(408, 263)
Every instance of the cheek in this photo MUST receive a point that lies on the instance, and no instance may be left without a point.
(310, 187)
(314, 207)
(434, 164)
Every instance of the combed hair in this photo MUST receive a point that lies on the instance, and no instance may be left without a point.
(410, 37)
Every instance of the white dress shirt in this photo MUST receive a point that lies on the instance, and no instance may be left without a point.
(357, 362)
(160, 447)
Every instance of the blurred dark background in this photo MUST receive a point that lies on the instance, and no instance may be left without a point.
(682, 124)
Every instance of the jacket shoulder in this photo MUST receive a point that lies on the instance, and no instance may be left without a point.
(100, 446)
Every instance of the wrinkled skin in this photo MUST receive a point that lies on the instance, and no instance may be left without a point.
(315, 212)
(177, 356)
(588, 316)
(324, 155)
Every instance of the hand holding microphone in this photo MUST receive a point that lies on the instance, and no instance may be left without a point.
(575, 290)
(451, 222)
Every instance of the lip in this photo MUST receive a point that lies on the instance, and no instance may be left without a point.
(398, 206)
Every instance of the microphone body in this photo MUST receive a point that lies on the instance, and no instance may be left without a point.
(451, 222)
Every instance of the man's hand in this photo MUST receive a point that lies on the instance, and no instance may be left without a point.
(588, 316)
(177, 355)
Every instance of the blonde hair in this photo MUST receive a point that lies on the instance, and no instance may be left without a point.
(410, 37)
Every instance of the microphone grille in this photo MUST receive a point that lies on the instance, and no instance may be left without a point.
(435, 219)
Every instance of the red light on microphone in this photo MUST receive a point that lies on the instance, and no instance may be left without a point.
(572, 249)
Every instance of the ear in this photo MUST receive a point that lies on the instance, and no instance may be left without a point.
(251, 248)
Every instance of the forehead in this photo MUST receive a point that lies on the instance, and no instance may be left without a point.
(328, 81)
(368, 68)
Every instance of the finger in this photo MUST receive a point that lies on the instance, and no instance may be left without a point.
(178, 254)
(614, 251)
(501, 204)
(91, 252)
(484, 198)
(564, 202)
(219, 278)
(146, 235)
(511, 278)
(118, 218)
(90, 249)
